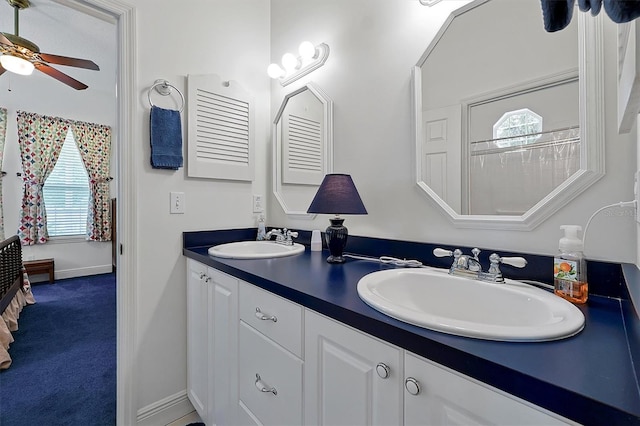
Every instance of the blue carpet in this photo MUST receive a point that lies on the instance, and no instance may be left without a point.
(64, 356)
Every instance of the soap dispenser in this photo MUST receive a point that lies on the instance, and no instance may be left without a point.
(262, 233)
(570, 267)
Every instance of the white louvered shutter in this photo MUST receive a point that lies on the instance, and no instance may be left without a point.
(302, 140)
(220, 132)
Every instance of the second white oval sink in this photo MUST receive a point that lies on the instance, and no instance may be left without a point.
(433, 299)
(255, 250)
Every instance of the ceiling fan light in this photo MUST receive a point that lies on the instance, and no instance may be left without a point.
(16, 65)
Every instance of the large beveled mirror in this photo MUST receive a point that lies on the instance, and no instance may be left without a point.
(509, 122)
(303, 146)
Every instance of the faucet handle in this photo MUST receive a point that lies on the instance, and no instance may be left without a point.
(439, 252)
(518, 262)
(495, 259)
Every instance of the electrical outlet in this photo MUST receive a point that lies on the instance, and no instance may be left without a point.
(177, 203)
(636, 193)
(258, 204)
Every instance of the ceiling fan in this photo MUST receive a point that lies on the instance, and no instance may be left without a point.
(21, 56)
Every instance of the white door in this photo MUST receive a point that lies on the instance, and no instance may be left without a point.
(435, 395)
(197, 337)
(223, 317)
(442, 153)
(344, 376)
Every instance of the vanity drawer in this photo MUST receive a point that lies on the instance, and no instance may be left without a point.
(270, 380)
(273, 316)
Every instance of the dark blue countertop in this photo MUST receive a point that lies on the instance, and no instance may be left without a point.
(589, 378)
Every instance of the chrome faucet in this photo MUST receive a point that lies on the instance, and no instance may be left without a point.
(283, 236)
(469, 266)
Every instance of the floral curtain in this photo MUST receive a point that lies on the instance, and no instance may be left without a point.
(40, 139)
(3, 133)
(94, 144)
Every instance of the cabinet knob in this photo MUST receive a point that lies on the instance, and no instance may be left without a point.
(202, 275)
(262, 386)
(412, 386)
(383, 370)
(265, 317)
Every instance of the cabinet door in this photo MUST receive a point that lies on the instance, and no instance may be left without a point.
(437, 395)
(223, 319)
(197, 337)
(344, 373)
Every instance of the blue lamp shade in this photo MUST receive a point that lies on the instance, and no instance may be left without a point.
(337, 195)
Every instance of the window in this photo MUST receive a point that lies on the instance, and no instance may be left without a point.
(517, 128)
(66, 193)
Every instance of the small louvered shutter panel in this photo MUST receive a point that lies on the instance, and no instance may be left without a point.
(220, 133)
(302, 140)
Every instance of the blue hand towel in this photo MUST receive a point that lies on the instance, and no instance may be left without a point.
(166, 138)
(557, 13)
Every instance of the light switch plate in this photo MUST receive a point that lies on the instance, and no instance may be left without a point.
(636, 193)
(258, 204)
(177, 203)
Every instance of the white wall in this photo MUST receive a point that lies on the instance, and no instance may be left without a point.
(43, 95)
(374, 44)
(229, 38)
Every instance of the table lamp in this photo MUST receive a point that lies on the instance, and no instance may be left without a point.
(337, 195)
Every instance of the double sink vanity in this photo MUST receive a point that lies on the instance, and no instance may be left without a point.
(295, 340)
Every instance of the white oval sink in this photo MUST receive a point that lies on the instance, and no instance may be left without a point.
(255, 250)
(433, 299)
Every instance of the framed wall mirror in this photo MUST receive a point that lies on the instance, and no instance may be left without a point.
(303, 148)
(504, 135)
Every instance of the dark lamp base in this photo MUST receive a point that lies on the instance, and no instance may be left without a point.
(335, 259)
(336, 238)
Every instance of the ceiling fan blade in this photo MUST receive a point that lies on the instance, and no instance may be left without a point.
(60, 76)
(5, 40)
(71, 62)
(2, 70)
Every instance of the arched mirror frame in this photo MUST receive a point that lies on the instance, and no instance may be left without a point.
(327, 128)
(592, 162)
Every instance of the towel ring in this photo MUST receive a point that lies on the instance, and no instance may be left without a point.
(164, 88)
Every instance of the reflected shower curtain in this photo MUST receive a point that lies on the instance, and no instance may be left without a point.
(509, 181)
(3, 134)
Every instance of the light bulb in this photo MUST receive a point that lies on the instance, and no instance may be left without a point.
(275, 71)
(16, 65)
(290, 62)
(307, 50)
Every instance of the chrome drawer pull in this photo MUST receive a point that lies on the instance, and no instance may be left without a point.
(262, 387)
(383, 370)
(265, 317)
(412, 386)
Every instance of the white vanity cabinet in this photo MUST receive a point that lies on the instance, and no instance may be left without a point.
(437, 395)
(350, 378)
(212, 343)
(198, 337)
(256, 358)
(270, 360)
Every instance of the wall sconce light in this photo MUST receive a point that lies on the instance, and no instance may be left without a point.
(429, 2)
(293, 67)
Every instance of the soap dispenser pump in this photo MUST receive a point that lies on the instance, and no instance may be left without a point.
(570, 267)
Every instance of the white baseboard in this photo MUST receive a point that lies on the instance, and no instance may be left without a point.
(72, 273)
(165, 411)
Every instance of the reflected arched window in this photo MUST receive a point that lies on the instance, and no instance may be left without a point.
(516, 128)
